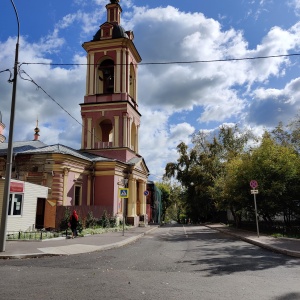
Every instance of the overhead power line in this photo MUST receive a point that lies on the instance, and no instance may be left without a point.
(10, 76)
(39, 87)
(174, 62)
(6, 70)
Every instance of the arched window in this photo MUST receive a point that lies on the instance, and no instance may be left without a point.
(106, 130)
(104, 134)
(106, 75)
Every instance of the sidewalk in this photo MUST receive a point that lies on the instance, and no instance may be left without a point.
(63, 246)
(110, 240)
(287, 246)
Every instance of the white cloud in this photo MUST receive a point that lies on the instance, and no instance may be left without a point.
(213, 91)
(158, 140)
(271, 106)
(187, 37)
(296, 5)
(66, 86)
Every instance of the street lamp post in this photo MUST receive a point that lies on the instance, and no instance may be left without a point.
(10, 144)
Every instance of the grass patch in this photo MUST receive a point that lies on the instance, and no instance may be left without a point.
(43, 235)
(100, 230)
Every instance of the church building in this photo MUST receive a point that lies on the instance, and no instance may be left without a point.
(90, 179)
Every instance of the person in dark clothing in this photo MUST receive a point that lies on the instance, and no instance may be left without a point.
(74, 223)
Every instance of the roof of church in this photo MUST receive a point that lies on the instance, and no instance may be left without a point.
(61, 149)
(136, 160)
(38, 147)
(19, 147)
(118, 32)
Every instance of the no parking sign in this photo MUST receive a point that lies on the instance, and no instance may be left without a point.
(253, 184)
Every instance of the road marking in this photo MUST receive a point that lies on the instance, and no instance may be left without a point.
(70, 249)
(186, 235)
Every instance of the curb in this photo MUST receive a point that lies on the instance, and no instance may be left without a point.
(259, 244)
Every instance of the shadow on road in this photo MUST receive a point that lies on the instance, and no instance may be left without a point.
(289, 296)
(215, 253)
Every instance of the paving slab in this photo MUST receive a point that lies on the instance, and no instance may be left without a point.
(67, 246)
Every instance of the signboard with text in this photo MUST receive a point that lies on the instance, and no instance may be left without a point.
(16, 187)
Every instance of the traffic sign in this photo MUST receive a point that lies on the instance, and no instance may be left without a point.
(146, 193)
(253, 184)
(254, 192)
(123, 193)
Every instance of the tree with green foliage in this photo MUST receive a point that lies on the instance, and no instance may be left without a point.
(215, 173)
(231, 188)
(276, 168)
(165, 197)
(194, 172)
(199, 168)
(172, 205)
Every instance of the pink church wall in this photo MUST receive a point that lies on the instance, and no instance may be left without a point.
(104, 190)
(110, 115)
(122, 155)
(106, 193)
(84, 190)
(70, 189)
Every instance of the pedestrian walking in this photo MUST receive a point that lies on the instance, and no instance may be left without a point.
(74, 223)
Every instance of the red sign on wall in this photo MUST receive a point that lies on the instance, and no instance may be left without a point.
(16, 187)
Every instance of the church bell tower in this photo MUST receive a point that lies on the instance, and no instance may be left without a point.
(110, 115)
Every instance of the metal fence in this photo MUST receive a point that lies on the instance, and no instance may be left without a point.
(34, 235)
(274, 228)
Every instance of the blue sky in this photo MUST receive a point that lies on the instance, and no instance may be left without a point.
(175, 100)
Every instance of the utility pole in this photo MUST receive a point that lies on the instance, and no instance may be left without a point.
(10, 144)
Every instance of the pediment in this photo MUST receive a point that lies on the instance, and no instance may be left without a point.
(140, 165)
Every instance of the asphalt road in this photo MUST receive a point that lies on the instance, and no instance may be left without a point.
(173, 262)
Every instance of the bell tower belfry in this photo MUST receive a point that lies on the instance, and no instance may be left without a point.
(110, 115)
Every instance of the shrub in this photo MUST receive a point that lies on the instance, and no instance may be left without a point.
(65, 221)
(79, 225)
(99, 222)
(113, 222)
(105, 220)
(90, 221)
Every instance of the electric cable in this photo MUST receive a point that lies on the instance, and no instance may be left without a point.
(39, 87)
(10, 76)
(174, 62)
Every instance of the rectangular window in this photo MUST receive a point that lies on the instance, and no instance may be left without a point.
(15, 204)
(77, 195)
